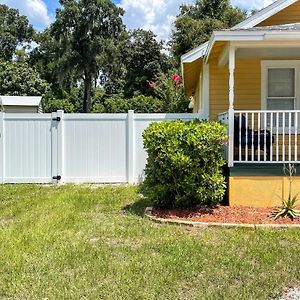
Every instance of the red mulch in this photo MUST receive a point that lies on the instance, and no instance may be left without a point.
(225, 214)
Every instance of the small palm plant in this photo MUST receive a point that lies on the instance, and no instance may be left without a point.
(288, 207)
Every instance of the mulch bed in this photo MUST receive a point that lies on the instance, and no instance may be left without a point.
(224, 214)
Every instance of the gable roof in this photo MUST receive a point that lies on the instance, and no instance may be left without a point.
(243, 31)
(264, 14)
(249, 23)
(195, 53)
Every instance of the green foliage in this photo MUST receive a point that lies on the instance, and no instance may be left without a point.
(87, 33)
(52, 105)
(143, 60)
(140, 104)
(288, 208)
(196, 22)
(185, 161)
(169, 88)
(19, 79)
(15, 30)
(45, 58)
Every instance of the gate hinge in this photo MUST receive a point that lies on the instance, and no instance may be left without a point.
(56, 119)
(56, 177)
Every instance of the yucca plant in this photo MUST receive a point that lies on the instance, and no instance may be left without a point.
(288, 207)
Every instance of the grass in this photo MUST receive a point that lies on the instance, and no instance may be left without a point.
(81, 242)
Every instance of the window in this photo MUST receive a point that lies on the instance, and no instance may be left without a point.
(281, 91)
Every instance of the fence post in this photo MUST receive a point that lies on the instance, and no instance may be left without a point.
(60, 145)
(2, 152)
(130, 146)
(231, 136)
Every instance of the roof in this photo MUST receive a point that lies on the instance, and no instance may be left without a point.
(195, 53)
(20, 101)
(264, 14)
(247, 25)
(284, 27)
(244, 31)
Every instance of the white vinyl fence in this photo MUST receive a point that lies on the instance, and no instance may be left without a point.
(58, 147)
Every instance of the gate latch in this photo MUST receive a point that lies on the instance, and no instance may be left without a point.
(56, 177)
(56, 119)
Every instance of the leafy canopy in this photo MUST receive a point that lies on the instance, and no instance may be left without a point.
(19, 79)
(144, 60)
(196, 22)
(87, 32)
(15, 30)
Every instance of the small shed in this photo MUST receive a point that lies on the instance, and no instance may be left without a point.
(20, 104)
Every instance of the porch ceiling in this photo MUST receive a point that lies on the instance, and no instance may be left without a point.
(191, 74)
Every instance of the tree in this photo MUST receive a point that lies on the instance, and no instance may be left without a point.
(15, 30)
(45, 59)
(86, 32)
(19, 79)
(144, 60)
(195, 23)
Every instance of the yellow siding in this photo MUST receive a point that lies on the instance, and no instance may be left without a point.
(287, 16)
(262, 191)
(247, 86)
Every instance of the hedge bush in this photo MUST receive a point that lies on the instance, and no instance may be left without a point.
(185, 161)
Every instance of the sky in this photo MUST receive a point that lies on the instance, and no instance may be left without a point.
(156, 15)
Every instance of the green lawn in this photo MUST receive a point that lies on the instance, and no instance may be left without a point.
(80, 242)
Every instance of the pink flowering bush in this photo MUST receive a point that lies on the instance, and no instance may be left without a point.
(169, 88)
(176, 78)
(152, 84)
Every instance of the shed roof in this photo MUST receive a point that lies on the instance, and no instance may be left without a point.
(20, 101)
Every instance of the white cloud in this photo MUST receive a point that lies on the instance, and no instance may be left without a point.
(159, 15)
(254, 4)
(35, 10)
(155, 15)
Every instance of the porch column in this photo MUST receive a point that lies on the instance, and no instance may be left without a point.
(231, 106)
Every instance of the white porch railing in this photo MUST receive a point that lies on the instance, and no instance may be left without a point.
(262, 136)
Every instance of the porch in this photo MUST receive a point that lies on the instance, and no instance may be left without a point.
(262, 136)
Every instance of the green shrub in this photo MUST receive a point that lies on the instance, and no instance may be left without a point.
(185, 161)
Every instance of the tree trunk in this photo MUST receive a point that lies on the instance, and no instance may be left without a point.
(87, 101)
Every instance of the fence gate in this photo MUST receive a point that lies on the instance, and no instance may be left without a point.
(29, 146)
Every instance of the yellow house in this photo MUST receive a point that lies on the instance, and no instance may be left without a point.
(249, 78)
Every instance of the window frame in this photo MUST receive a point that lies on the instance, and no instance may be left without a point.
(278, 64)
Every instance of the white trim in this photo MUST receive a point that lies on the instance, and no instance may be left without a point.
(266, 44)
(205, 91)
(231, 76)
(244, 38)
(264, 14)
(194, 54)
(253, 36)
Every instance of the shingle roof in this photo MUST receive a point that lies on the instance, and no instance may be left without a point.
(284, 27)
